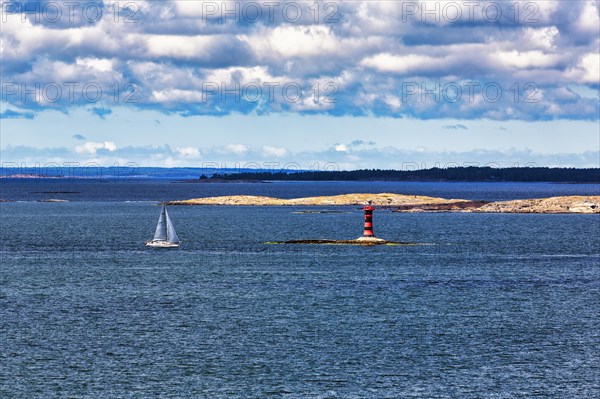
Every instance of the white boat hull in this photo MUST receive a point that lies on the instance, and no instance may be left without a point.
(161, 244)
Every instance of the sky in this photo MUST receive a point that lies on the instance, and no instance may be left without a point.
(300, 84)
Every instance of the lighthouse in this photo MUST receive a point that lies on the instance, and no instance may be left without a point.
(368, 234)
(368, 220)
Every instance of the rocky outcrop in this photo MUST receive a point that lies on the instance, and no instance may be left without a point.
(458, 206)
(415, 203)
(52, 200)
(572, 204)
(363, 241)
(384, 199)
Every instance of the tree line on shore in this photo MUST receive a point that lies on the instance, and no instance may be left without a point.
(471, 173)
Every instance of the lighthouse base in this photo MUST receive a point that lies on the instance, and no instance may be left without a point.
(370, 239)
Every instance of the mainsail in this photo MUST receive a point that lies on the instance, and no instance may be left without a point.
(161, 228)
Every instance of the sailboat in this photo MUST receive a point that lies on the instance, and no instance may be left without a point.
(165, 235)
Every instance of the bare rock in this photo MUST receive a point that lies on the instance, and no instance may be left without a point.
(571, 204)
(383, 199)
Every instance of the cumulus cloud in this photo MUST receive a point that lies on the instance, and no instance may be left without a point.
(188, 152)
(354, 146)
(92, 147)
(98, 64)
(367, 58)
(238, 149)
(276, 152)
(587, 70)
(403, 64)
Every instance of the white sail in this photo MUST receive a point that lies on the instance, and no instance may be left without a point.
(161, 233)
(171, 234)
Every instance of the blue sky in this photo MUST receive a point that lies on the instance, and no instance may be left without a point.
(358, 84)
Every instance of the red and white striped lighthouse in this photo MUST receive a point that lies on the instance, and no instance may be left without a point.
(368, 220)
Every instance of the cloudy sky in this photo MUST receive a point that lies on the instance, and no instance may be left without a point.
(353, 84)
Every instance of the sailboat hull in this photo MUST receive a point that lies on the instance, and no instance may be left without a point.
(162, 244)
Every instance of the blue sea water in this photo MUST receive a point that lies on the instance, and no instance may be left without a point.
(163, 190)
(490, 305)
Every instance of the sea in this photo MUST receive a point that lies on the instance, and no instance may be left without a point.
(481, 306)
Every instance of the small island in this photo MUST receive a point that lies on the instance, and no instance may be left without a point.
(415, 203)
(359, 241)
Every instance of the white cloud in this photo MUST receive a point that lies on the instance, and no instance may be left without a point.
(102, 65)
(188, 152)
(91, 147)
(526, 59)
(590, 63)
(543, 38)
(393, 102)
(587, 70)
(242, 75)
(589, 19)
(277, 152)
(184, 47)
(386, 62)
(238, 149)
(176, 95)
(293, 41)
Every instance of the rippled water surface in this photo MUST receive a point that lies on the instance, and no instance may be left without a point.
(498, 306)
(163, 190)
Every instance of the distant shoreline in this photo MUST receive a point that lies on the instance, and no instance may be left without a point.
(246, 175)
(214, 181)
(456, 174)
(258, 181)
